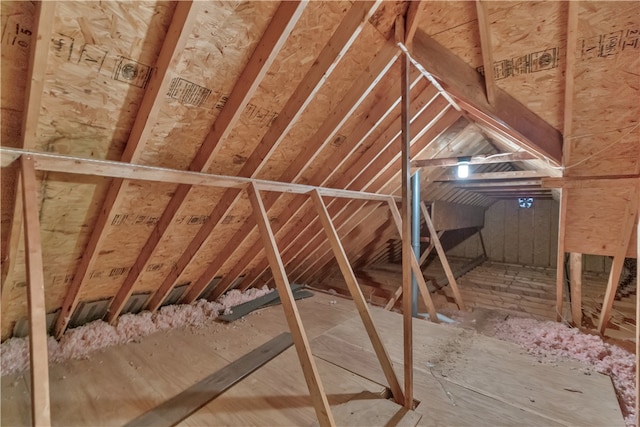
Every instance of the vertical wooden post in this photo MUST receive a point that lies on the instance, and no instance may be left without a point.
(358, 298)
(407, 250)
(629, 219)
(443, 258)
(318, 396)
(560, 263)
(40, 408)
(575, 261)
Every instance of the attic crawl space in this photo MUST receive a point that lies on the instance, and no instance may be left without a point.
(330, 212)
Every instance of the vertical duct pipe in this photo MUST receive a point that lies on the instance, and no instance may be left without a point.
(415, 234)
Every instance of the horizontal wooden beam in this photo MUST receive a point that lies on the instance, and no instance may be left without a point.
(519, 183)
(591, 181)
(467, 86)
(83, 166)
(507, 175)
(474, 160)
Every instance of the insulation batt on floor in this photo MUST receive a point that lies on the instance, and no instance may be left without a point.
(549, 340)
(79, 342)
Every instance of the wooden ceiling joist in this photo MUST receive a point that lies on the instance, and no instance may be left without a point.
(507, 175)
(474, 160)
(92, 167)
(184, 18)
(274, 37)
(465, 84)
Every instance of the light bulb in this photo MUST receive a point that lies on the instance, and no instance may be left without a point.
(463, 170)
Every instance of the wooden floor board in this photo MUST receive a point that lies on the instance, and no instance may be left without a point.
(460, 378)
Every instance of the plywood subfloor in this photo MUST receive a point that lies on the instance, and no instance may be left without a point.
(461, 378)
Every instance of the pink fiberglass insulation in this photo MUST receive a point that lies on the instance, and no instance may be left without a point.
(78, 342)
(553, 339)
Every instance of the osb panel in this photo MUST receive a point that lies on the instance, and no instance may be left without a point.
(343, 77)
(527, 40)
(604, 136)
(314, 29)
(87, 108)
(218, 239)
(317, 25)
(223, 39)
(345, 136)
(528, 43)
(594, 220)
(127, 231)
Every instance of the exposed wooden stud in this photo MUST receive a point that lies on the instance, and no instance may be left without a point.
(358, 298)
(487, 50)
(575, 268)
(415, 268)
(318, 396)
(562, 220)
(39, 49)
(412, 21)
(184, 18)
(38, 352)
(407, 250)
(628, 220)
(570, 55)
(443, 257)
(399, 29)
(463, 82)
(475, 160)
(274, 37)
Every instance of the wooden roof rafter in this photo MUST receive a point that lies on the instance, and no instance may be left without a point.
(273, 39)
(342, 39)
(487, 52)
(342, 212)
(184, 18)
(344, 219)
(466, 86)
(359, 91)
(359, 175)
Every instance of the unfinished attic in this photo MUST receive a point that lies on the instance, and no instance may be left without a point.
(320, 213)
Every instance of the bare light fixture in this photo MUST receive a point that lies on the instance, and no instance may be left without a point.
(463, 166)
